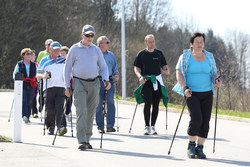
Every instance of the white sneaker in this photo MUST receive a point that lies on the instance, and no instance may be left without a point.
(153, 130)
(25, 119)
(147, 130)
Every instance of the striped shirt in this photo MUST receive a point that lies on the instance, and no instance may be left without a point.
(56, 69)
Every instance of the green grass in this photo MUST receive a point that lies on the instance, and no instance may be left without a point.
(5, 139)
(220, 111)
(232, 113)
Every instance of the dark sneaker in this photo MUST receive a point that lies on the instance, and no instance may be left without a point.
(89, 146)
(111, 129)
(191, 150)
(199, 152)
(35, 116)
(101, 130)
(85, 146)
(63, 131)
(51, 131)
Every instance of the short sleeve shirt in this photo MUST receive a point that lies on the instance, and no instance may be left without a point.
(56, 70)
(150, 63)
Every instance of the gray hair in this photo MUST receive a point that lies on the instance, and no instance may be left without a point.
(99, 40)
(48, 41)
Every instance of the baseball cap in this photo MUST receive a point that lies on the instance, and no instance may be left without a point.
(55, 45)
(87, 29)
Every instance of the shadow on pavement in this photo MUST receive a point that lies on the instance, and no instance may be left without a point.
(134, 154)
(226, 161)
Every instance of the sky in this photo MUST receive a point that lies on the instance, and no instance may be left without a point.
(222, 16)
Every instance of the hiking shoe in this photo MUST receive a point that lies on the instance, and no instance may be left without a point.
(84, 146)
(35, 116)
(191, 150)
(51, 131)
(199, 152)
(147, 130)
(153, 131)
(101, 130)
(63, 131)
(25, 119)
(111, 129)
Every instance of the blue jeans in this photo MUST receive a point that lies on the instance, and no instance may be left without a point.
(110, 116)
(27, 101)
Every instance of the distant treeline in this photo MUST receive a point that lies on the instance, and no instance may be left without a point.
(25, 23)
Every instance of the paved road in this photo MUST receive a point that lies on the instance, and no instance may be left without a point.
(122, 149)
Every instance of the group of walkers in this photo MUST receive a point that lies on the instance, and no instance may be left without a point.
(88, 72)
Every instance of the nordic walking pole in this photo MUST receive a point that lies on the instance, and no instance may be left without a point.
(133, 118)
(215, 126)
(45, 105)
(117, 120)
(185, 102)
(166, 118)
(103, 113)
(71, 117)
(41, 100)
(11, 109)
(60, 123)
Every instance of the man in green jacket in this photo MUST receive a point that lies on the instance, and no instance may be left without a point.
(147, 67)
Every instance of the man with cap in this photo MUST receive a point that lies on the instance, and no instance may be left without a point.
(41, 55)
(51, 69)
(85, 61)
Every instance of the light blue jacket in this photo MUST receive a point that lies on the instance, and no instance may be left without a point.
(183, 63)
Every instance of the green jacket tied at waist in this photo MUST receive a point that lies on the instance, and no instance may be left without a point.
(153, 78)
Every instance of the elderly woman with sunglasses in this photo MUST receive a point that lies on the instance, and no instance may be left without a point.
(28, 69)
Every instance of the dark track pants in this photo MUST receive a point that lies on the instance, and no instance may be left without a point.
(200, 108)
(151, 97)
(55, 107)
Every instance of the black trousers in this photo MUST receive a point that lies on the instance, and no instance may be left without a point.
(55, 107)
(151, 97)
(200, 108)
(41, 96)
(34, 108)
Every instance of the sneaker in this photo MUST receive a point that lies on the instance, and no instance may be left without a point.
(63, 131)
(35, 116)
(101, 130)
(191, 150)
(84, 146)
(111, 129)
(199, 152)
(153, 131)
(25, 119)
(51, 131)
(147, 130)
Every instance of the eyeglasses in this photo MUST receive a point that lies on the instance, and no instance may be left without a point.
(106, 42)
(87, 35)
(28, 53)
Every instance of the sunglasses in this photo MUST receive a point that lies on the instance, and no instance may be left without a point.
(28, 53)
(87, 35)
(106, 42)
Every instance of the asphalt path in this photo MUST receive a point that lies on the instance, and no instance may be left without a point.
(123, 149)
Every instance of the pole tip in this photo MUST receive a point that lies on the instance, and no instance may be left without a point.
(168, 152)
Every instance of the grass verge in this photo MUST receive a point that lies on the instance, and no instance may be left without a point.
(220, 111)
(5, 139)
